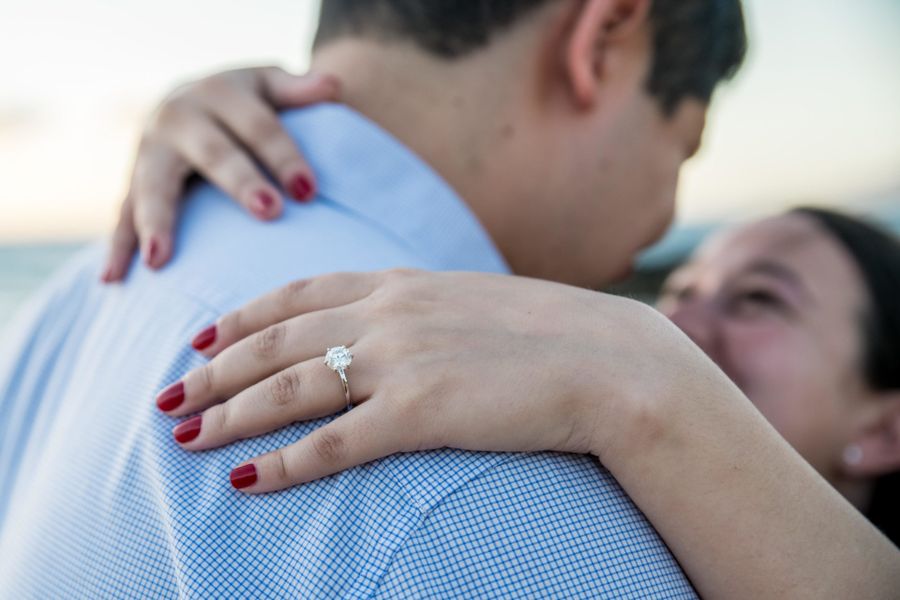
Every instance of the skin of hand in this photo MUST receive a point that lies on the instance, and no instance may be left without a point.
(417, 349)
(549, 367)
(213, 127)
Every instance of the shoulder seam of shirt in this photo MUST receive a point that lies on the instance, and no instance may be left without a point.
(422, 514)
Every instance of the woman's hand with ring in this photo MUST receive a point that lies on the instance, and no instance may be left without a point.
(547, 368)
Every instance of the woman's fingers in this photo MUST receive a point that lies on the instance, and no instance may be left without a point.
(256, 126)
(147, 217)
(368, 432)
(221, 160)
(219, 126)
(254, 122)
(123, 244)
(297, 298)
(158, 178)
(258, 356)
(301, 392)
(285, 90)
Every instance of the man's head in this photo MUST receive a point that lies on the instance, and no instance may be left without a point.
(562, 122)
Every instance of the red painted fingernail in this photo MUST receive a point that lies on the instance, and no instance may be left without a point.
(152, 252)
(171, 397)
(204, 339)
(264, 201)
(301, 188)
(244, 476)
(188, 430)
(107, 275)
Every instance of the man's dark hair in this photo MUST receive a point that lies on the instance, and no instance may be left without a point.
(877, 255)
(696, 43)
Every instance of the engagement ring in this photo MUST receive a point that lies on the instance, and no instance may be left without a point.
(338, 359)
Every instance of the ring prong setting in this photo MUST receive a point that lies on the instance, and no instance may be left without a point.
(338, 358)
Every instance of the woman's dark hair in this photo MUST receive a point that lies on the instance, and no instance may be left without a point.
(696, 43)
(877, 255)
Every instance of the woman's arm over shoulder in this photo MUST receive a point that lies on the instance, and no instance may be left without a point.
(744, 513)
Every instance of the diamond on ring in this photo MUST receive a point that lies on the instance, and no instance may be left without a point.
(338, 358)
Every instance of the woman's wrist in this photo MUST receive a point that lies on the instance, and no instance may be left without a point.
(652, 396)
(613, 401)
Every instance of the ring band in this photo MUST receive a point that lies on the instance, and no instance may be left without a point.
(338, 359)
(346, 385)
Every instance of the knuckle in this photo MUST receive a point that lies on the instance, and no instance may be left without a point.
(285, 388)
(389, 305)
(269, 70)
(218, 418)
(267, 343)
(412, 377)
(292, 291)
(329, 446)
(212, 153)
(401, 287)
(211, 87)
(279, 466)
(168, 117)
(164, 118)
(264, 127)
(206, 377)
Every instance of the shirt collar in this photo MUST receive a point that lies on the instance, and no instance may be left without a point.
(363, 169)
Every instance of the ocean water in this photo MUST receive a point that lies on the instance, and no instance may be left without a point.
(23, 268)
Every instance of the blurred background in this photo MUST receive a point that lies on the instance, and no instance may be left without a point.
(814, 117)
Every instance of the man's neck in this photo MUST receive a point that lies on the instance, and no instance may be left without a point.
(454, 117)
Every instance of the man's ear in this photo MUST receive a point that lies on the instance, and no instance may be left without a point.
(597, 25)
(876, 449)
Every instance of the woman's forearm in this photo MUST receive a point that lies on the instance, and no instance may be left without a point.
(552, 367)
(743, 512)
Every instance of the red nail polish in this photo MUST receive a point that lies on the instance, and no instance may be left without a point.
(171, 397)
(188, 430)
(152, 252)
(265, 201)
(204, 339)
(301, 188)
(244, 476)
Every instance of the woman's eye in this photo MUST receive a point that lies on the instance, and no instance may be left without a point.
(754, 301)
(762, 297)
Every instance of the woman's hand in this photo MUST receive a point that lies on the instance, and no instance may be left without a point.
(488, 362)
(218, 127)
(472, 361)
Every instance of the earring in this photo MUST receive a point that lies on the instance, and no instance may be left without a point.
(853, 455)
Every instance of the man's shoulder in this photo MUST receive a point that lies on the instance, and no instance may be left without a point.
(555, 524)
(437, 480)
(225, 255)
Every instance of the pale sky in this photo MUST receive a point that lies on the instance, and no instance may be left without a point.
(813, 116)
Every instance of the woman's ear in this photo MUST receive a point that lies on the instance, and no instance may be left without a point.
(876, 449)
(596, 27)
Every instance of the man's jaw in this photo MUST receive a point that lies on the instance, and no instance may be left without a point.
(625, 272)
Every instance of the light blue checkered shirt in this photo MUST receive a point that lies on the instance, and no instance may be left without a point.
(97, 501)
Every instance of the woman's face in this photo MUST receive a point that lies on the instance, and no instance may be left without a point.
(778, 305)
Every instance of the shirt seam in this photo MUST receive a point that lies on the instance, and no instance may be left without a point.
(421, 515)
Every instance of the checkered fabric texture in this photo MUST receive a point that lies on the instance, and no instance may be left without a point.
(97, 500)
